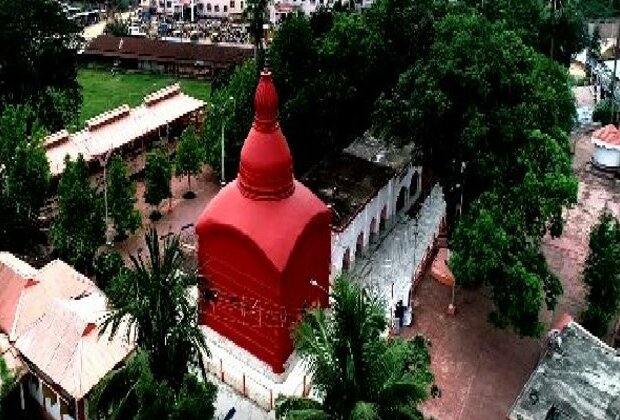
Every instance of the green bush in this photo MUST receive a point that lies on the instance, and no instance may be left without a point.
(602, 112)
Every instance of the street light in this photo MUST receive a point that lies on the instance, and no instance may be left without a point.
(230, 98)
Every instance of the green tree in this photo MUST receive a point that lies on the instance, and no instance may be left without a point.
(122, 198)
(38, 59)
(602, 112)
(235, 115)
(358, 373)
(152, 295)
(24, 177)
(107, 266)
(132, 392)
(486, 99)
(158, 172)
(255, 15)
(76, 239)
(117, 27)
(601, 275)
(189, 157)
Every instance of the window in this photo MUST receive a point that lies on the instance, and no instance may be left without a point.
(208, 7)
(216, 8)
(232, 4)
(225, 8)
(241, 5)
(169, 5)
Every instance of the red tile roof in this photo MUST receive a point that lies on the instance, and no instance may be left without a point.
(608, 134)
(14, 275)
(155, 50)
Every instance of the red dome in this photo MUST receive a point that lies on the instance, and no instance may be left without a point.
(266, 165)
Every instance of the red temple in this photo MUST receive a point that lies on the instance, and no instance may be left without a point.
(264, 244)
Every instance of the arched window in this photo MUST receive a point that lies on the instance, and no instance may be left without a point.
(413, 187)
(208, 7)
(216, 8)
(402, 198)
(359, 246)
(346, 260)
(225, 8)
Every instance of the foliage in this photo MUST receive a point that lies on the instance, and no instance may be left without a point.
(152, 296)
(602, 275)
(157, 174)
(107, 266)
(597, 9)
(602, 112)
(236, 116)
(38, 60)
(122, 198)
(594, 46)
(24, 177)
(133, 392)
(554, 28)
(117, 27)
(189, 155)
(486, 99)
(358, 373)
(79, 228)
(255, 14)
(9, 383)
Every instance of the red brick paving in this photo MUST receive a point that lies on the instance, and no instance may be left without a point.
(479, 369)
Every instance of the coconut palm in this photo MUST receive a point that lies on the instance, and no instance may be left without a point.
(150, 302)
(356, 372)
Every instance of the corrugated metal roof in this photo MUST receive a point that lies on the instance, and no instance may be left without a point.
(118, 127)
(65, 344)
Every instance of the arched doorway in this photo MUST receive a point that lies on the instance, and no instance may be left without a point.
(374, 229)
(359, 246)
(402, 198)
(413, 187)
(346, 260)
(383, 222)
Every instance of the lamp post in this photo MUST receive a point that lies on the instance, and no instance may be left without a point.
(222, 171)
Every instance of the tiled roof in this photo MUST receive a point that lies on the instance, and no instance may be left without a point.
(608, 134)
(117, 127)
(65, 344)
(156, 50)
(14, 275)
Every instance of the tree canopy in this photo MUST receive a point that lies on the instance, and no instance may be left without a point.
(492, 116)
(38, 60)
(24, 177)
(189, 155)
(357, 372)
(77, 238)
(601, 275)
(122, 198)
(157, 174)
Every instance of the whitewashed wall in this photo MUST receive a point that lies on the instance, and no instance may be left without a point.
(363, 221)
(607, 157)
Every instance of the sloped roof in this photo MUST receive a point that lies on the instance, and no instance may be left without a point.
(14, 275)
(119, 126)
(607, 136)
(157, 50)
(65, 344)
(56, 280)
(580, 380)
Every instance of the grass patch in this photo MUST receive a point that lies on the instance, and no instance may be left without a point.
(102, 91)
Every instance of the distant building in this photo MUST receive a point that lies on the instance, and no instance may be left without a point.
(177, 58)
(577, 377)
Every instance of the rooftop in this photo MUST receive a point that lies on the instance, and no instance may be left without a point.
(118, 127)
(346, 183)
(578, 379)
(381, 151)
(156, 50)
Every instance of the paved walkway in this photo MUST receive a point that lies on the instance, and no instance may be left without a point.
(479, 369)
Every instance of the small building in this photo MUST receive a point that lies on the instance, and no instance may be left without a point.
(50, 335)
(124, 130)
(263, 247)
(577, 377)
(177, 58)
(606, 142)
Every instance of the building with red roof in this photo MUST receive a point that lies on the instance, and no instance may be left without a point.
(606, 142)
(264, 244)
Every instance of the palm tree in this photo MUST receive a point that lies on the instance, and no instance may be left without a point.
(358, 374)
(150, 302)
(152, 297)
